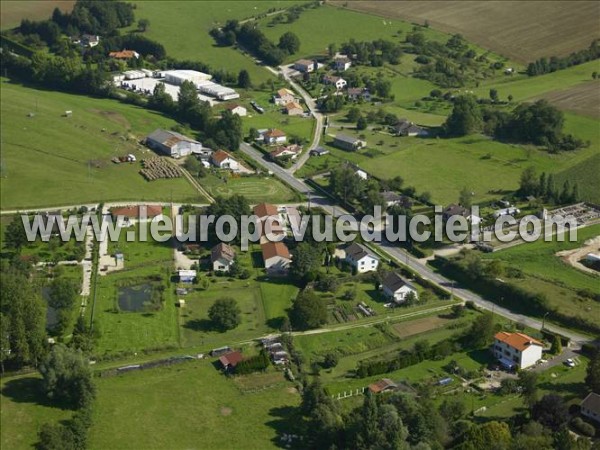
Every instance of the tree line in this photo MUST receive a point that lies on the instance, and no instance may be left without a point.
(545, 65)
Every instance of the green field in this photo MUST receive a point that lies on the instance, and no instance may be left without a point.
(130, 410)
(123, 331)
(198, 18)
(256, 188)
(51, 160)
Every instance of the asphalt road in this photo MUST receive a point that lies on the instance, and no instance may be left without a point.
(405, 258)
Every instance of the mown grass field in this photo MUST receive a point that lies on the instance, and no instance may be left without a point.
(197, 19)
(444, 166)
(506, 28)
(130, 410)
(51, 160)
(256, 189)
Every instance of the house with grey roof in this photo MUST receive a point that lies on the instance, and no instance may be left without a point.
(396, 288)
(360, 258)
(346, 142)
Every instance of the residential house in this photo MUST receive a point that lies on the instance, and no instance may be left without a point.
(129, 214)
(237, 109)
(89, 40)
(274, 136)
(264, 210)
(396, 288)
(341, 63)
(293, 109)
(224, 160)
(276, 256)
(338, 82)
(590, 407)
(186, 276)
(291, 151)
(359, 257)
(516, 350)
(350, 143)
(392, 199)
(383, 385)
(172, 143)
(304, 65)
(124, 55)
(453, 210)
(222, 257)
(283, 97)
(359, 94)
(230, 360)
(406, 128)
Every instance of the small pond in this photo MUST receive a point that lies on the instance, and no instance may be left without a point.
(138, 298)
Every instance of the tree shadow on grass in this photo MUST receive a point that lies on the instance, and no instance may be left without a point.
(28, 390)
(286, 420)
(276, 322)
(200, 325)
(483, 357)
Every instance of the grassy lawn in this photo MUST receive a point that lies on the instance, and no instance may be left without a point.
(127, 331)
(50, 160)
(256, 188)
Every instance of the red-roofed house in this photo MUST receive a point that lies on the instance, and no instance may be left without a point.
(124, 54)
(516, 350)
(133, 213)
(293, 109)
(230, 360)
(274, 136)
(289, 150)
(383, 385)
(224, 160)
(276, 256)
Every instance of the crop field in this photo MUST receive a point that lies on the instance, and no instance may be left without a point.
(48, 159)
(14, 10)
(255, 189)
(582, 99)
(197, 19)
(504, 27)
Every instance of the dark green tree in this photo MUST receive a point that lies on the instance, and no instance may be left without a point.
(225, 314)
(465, 118)
(289, 43)
(308, 311)
(307, 259)
(243, 80)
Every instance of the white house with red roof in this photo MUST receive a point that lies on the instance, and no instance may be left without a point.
(224, 160)
(274, 136)
(516, 350)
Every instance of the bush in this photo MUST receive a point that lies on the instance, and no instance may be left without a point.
(583, 427)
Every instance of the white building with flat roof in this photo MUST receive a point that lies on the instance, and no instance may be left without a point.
(179, 76)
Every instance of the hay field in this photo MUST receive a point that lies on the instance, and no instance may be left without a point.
(14, 11)
(520, 30)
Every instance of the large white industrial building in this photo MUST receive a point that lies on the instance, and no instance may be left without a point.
(179, 76)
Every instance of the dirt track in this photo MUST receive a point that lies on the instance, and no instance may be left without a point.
(572, 257)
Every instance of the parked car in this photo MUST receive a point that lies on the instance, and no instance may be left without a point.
(569, 363)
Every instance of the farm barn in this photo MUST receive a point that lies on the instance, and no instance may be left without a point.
(172, 143)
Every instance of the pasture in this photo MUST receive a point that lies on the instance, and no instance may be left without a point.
(51, 160)
(505, 28)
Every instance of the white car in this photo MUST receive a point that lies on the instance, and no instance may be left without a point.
(569, 363)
